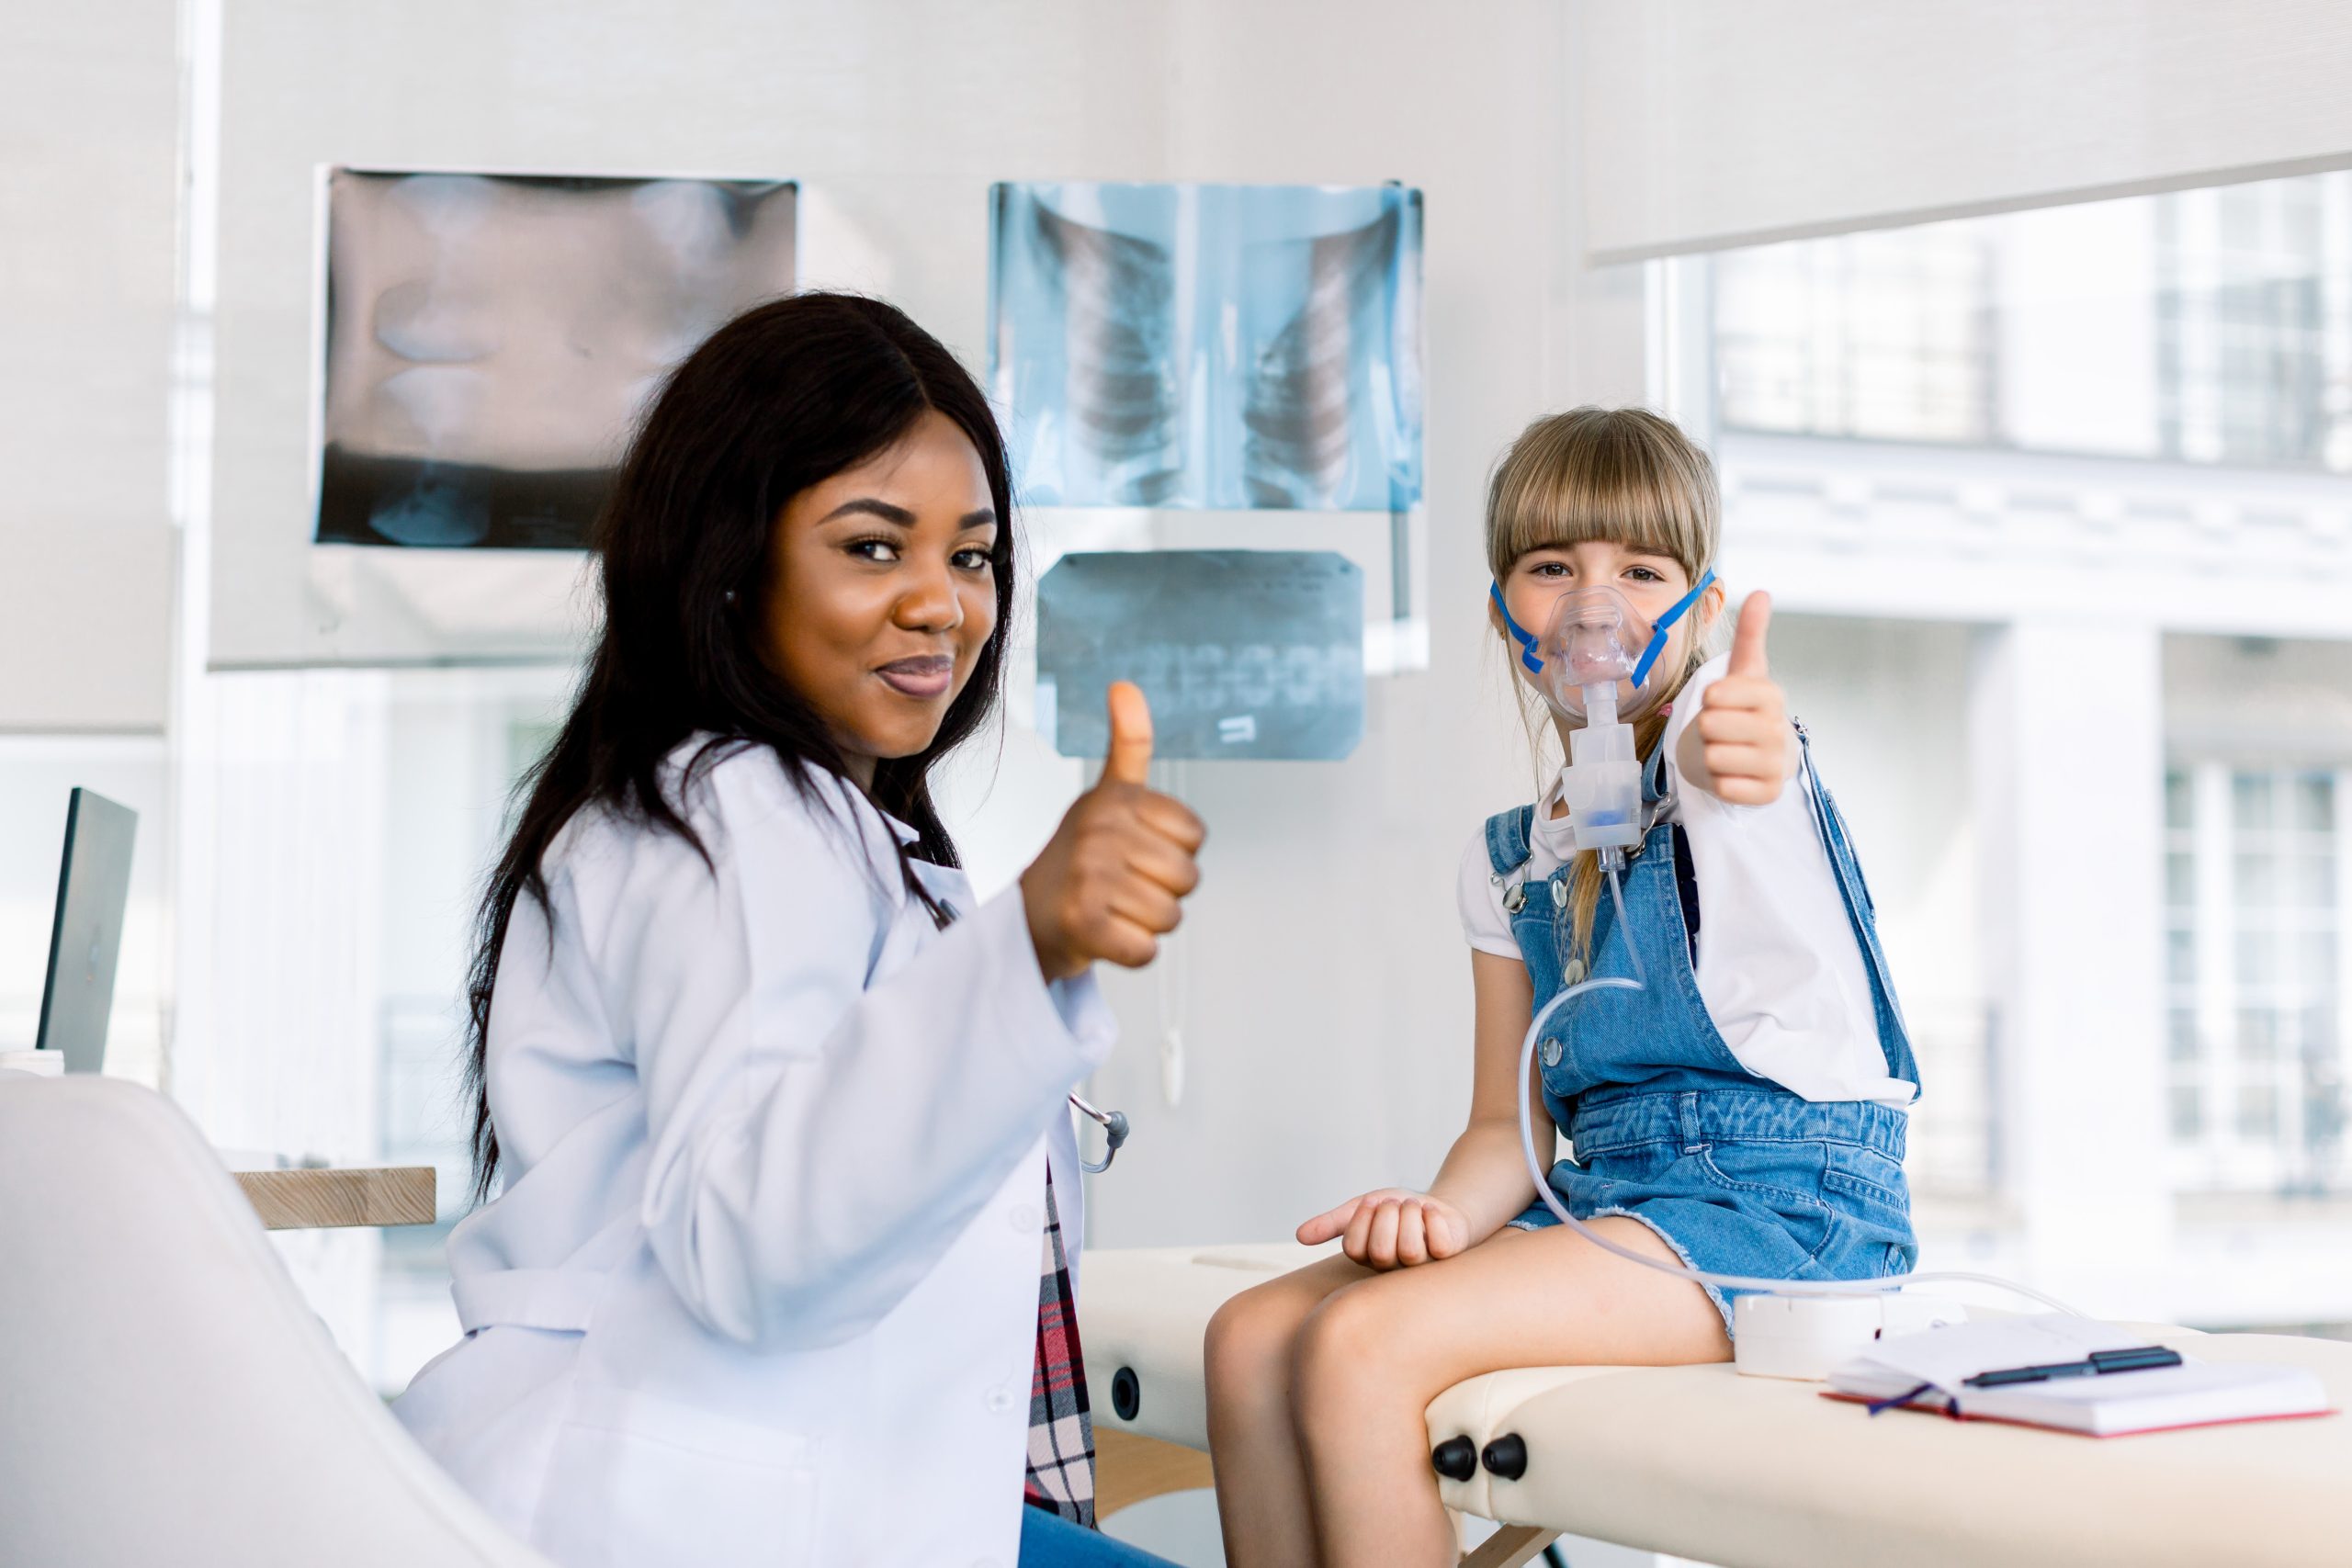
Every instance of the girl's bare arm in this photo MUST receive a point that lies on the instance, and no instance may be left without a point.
(1485, 1176)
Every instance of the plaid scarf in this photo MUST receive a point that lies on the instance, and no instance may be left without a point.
(1061, 1431)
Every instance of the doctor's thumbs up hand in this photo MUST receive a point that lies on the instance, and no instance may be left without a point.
(1741, 738)
(1108, 885)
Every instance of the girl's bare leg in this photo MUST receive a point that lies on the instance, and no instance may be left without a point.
(1373, 1354)
(1262, 1496)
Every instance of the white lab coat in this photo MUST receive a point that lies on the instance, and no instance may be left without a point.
(761, 1285)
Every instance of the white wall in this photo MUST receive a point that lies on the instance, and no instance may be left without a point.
(1307, 1074)
(896, 117)
(88, 129)
(1308, 1070)
(1321, 984)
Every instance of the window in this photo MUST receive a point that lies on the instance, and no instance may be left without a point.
(2201, 326)
(2249, 367)
(1883, 335)
(2255, 868)
(457, 741)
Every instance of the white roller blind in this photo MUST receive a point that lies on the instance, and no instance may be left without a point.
(1708, 123)
(88, 133)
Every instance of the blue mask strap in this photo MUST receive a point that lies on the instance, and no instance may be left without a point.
(1665, 623)
(1526, 640)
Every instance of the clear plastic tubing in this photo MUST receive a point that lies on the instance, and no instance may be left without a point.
(1611, 861)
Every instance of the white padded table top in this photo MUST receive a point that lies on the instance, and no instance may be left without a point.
(1704, 1463)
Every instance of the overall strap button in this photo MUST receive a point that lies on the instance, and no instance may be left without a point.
(1515, 897)
(1559, 893)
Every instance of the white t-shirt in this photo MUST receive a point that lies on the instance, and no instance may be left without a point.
(1779, 968)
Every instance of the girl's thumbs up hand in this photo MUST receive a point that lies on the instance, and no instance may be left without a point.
(1108, 885)
(1740, 748)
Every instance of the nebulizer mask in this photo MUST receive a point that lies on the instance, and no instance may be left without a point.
(1592, 662)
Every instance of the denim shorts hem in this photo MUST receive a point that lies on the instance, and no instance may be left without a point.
(1542, 1218)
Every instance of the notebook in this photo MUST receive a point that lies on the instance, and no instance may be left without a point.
(1933, 1369)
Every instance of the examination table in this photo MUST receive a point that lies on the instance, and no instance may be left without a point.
(171, 1399)
(1701, 1462)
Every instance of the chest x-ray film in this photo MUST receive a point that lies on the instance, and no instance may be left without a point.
(1242, 653)
(1206, 345)
(490, 339)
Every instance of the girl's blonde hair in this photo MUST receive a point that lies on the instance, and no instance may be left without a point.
(1614, 476)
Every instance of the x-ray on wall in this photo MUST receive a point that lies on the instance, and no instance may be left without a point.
(490, 338)
(1209, 345)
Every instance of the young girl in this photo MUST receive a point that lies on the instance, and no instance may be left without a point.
(1739, 1115)
(781, 1269)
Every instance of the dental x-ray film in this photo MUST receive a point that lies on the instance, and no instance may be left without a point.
(490, 339)
(1209, 345)
(1242, 653)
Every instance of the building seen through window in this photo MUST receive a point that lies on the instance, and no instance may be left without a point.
(2254, 865)
(2205, 326)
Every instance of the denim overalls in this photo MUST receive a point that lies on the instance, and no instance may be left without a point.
(1738, 1174)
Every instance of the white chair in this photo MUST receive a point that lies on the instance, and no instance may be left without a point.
(167, 1395)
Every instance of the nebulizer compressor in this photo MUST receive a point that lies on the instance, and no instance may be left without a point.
(1786, 1328)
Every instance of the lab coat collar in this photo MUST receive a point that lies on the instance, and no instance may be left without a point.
(858, 803)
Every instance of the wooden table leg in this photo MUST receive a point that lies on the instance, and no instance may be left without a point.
(1511, 1547)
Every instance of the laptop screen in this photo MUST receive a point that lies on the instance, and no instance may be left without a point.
(92, 887)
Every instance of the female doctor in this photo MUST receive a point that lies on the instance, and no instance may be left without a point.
(779, 1270)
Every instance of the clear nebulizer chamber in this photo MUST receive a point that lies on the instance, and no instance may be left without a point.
(1586, 652)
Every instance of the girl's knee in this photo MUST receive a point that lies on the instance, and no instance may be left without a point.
(1247, 1349)
(1348, 1350)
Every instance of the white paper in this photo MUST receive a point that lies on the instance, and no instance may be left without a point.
(1945, 1358)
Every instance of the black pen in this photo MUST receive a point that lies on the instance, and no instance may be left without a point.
(2137, 1359)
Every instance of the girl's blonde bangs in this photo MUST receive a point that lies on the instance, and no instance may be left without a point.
(1617, 476)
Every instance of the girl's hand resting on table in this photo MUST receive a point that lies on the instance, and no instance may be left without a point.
(1108, 885)
(1391, 1227)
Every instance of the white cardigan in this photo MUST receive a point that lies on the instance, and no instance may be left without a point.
(761, 1285)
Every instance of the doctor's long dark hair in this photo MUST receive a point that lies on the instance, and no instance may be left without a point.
(784, 396)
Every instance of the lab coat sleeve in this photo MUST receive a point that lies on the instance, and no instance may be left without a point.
(818, 1142)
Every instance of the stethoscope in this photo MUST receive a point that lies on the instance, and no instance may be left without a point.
(1114, 1133)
